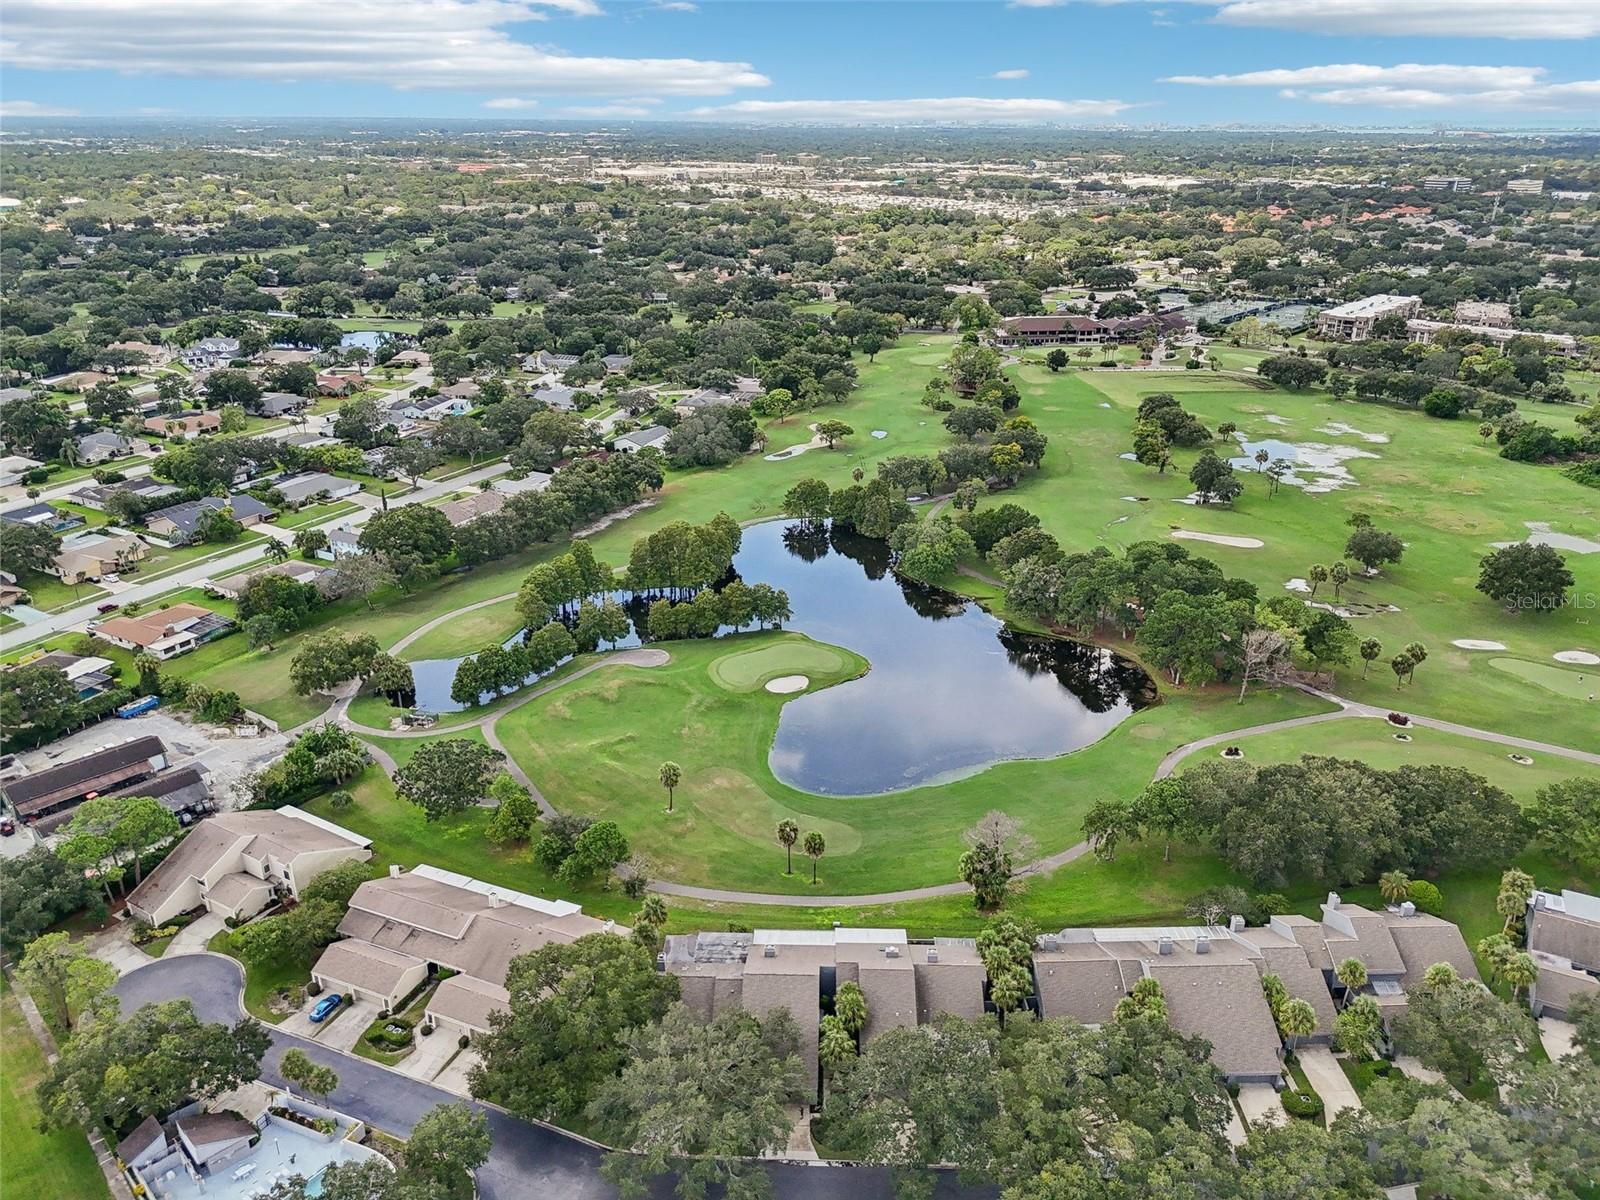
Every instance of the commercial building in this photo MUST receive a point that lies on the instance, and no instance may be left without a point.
(1483, 312)
(233, 864)
(1065, 329)
(1564, 939)
(47, 798)
(1353, 322)
(1424, 332)
(1447, 183)
(1525, 187)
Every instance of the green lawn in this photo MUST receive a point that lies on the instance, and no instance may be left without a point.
(41, 1166)
(262, 982)
(315, 514)
(594, 747)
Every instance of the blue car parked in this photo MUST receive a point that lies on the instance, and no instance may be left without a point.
(325, 1008)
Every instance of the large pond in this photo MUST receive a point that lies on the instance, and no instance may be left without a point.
(951, 689)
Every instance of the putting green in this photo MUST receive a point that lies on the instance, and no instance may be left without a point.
(1576, 685)
(748, 670)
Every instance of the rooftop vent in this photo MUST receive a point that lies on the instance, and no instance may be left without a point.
(891, 951)
(1333, 900)
(1202, 944)
(1236, 924)
(1407, 909)
(770, 952)
(1164, 945)
(496, 900)
(1051, 943)
(933, 954)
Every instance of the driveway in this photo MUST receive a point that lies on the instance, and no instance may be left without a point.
(193, 937)
(527, 1162)
(428, 1057)
(1556, 1036)
(1328, 1080)
(345, 1030)
(1260, 1105)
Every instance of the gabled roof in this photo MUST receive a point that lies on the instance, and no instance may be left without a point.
(43, 788)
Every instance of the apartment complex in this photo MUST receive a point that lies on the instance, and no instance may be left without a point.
(1564, 939)
(1424, 332)
(1353, 322)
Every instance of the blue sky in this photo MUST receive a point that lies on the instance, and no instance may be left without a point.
(1487, 62)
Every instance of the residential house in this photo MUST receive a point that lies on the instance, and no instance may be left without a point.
(1353, 322)
(653, 438)
(98, 496)
(482, 504)
(11, 593)
(796, 970)
(210, 353)
(101, 446)
(557, 396)
(318, 486)
(533, 481)
(233, 863)
(165, 632)
(431, 408)
(47, 798)
(547, 361)
(232, 586)
(42, 516)
(90, 674)
(7, 395)
(408, 925)
(14, 466)
(309, 440)
(617, 364)
(91, 555)
(1564, 939)
(411, 359)
(343, 542)
(281, 404)
(186, 426)
(182, 523)
(338, 385)
(154, 355)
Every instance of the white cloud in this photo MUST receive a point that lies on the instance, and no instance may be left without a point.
(676, 6)
(1360, 74)
(32, 108)
(456, 45)
(1013, 73)
(951, 108)
(512, 102)
(1415, 86)
(1583, 95)
(1513, 19)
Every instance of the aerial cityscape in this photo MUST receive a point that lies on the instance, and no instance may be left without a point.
(883, 600)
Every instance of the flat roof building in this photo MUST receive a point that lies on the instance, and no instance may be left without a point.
(1353, 322)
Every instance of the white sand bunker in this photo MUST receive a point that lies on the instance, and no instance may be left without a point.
(1313, 467)
(783, 685)
(1129, 456)
(1540, 534)
(1581, 657)
(1275, 419)
(1103, 404)
(1136, 499)
(881, 433)
(817, 441)
(1340, 429)
(1221, 539)
(1297, 585)
(1477, 644)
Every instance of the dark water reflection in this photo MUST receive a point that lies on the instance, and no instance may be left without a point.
(951, 689)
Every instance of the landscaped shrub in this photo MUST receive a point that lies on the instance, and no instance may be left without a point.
(313, 988)
(1426, 897)
(1305, 1105)
(426, 1031)
(463, 1041)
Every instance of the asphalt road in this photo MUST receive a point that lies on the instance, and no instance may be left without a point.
(528, 1161)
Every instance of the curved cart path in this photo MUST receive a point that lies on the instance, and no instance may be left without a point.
(1043, 866)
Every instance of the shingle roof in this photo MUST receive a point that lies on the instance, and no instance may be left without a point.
(1565, 936)
(468, 1000)
(43, 788)
(363, 965)
(1223, 1003)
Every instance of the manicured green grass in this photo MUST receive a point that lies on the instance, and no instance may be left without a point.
(1362, 1075)
(315, 514)
(1372, 741)
(748, 670)
(1573, 684)
(165, 560)
(50, 594)
(594, 747)
(158, 947)
(41, 1166)
(262, 982)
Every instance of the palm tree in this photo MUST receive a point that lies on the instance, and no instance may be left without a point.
(1262, 458)
(1516, 889)
(836, 1046)
(1394, 886)
(277, 551)
(1520, 972)
(788, 835)
(1416, 652)
(814, 846)
(1352, 972)
(1318, 575)
(671, 775)
(1340, 574)
(1297, 1019)
(850, 1006)
(1371, 650)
